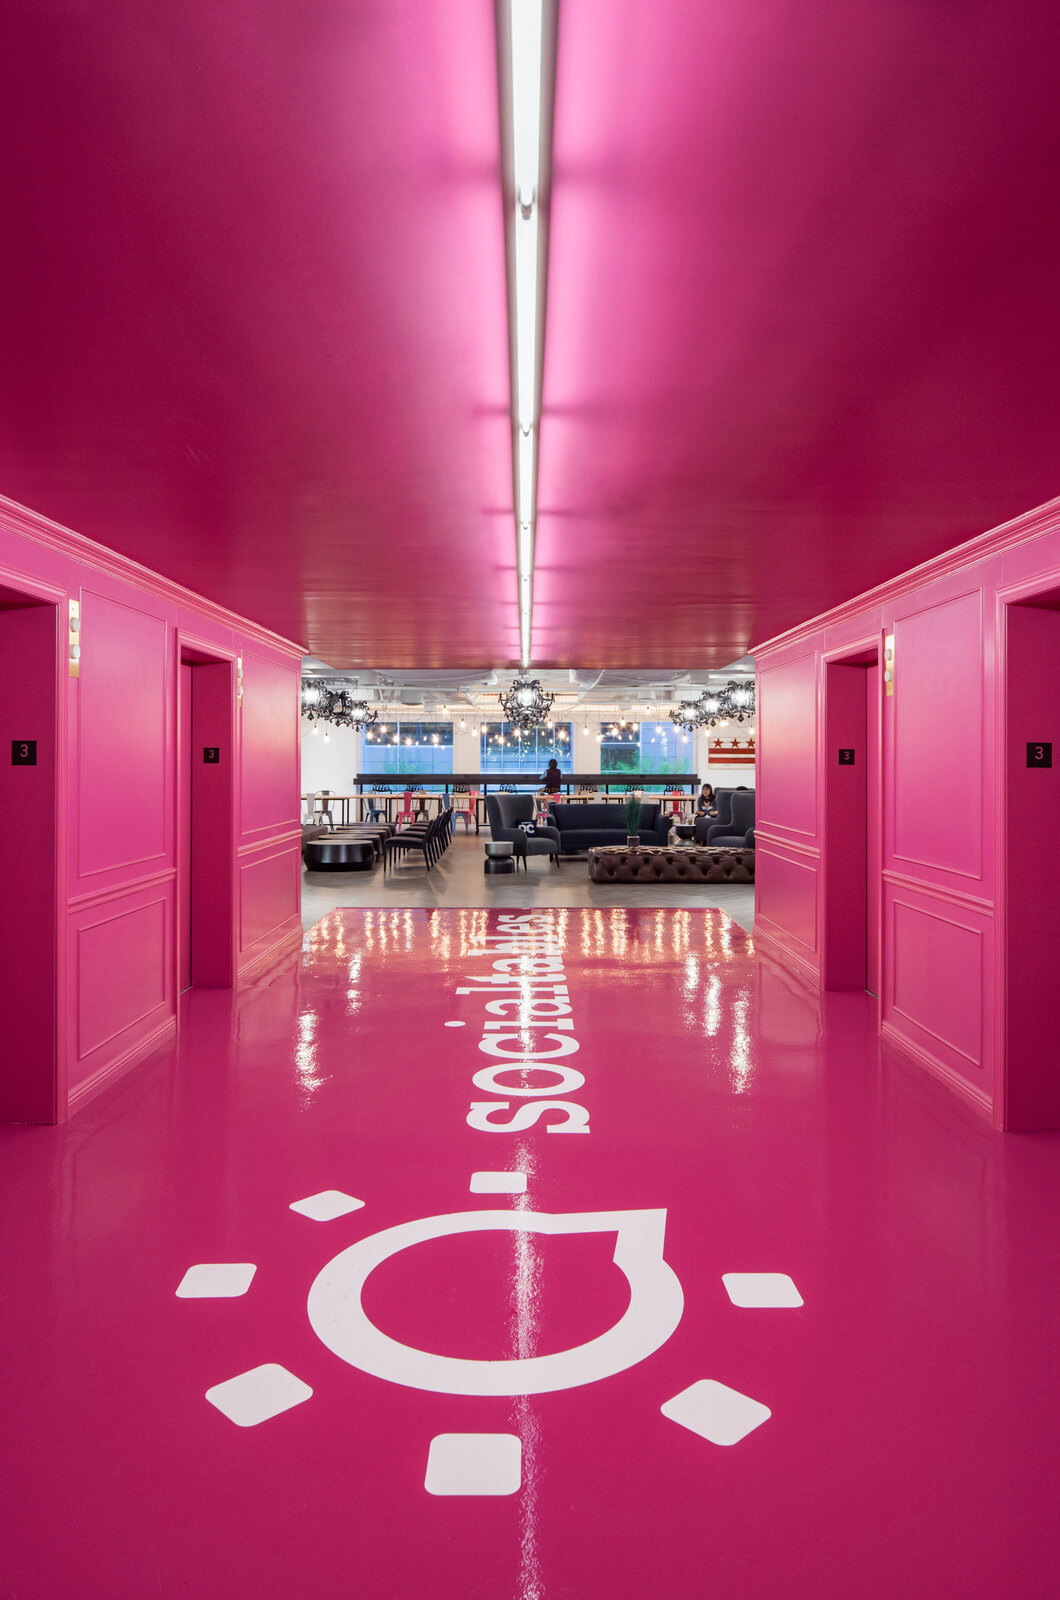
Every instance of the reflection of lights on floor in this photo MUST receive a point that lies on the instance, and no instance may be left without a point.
(740, 1053)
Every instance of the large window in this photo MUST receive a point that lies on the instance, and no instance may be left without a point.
(633, 747)
(503, 749)
(412, 747)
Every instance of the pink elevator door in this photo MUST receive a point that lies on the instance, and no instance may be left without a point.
(872, 829)
(184, 852)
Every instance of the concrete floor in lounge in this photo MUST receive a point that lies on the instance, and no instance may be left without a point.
(458, 881)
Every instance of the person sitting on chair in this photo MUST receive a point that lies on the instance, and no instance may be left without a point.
(553, 778)
(706, 805)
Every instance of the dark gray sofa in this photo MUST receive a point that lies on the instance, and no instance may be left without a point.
(580, 827)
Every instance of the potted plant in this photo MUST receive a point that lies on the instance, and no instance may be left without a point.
(633, 810)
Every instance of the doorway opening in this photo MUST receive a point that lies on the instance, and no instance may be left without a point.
(1029, 1096)
(29, 856)
(206, 950)
(852, 867)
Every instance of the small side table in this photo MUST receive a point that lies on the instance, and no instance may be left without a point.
(500, 857)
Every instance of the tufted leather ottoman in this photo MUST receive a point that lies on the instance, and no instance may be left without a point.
(655, 864)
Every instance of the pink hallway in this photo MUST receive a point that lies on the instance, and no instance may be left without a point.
(866, 1409)
(798, 332)
(94, 654)
(922, 863)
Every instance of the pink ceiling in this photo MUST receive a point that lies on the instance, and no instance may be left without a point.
(803, 319)
(255, 328)
(804, 316)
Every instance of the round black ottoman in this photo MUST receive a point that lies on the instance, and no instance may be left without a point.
(339, 855)
(685, 830)
(375, 837)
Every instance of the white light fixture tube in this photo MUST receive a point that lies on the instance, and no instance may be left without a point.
(527, 89)
(525, 507)
(526, 96)
(526, 244)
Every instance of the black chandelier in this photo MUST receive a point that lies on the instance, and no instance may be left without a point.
(684, 716)
(322, 702)
(526, 705)
(740, 699)
(732, 704)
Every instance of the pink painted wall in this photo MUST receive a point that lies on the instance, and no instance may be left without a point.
(117, 832)
(953, 962)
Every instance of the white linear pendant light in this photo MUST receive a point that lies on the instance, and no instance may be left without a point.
(526, 464)
(527, 90)
(526, 96)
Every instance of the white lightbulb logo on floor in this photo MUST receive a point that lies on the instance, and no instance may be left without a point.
(490, 1464)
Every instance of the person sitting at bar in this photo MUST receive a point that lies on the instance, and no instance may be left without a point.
(553, 778)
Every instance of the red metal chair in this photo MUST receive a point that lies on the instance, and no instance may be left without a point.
(463, 808)
(406, 814)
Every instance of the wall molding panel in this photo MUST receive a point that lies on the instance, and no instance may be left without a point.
(788, 907)
(134, 940)
(102, 897)
(123, 734)
(972, 1095)
(269, 890)
(936, 975)
(939, 891)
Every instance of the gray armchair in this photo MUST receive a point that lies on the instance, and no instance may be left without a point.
(738, 833)
(505, 812)
(722, 817)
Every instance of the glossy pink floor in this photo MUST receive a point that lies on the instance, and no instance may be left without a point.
(910, 1441)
